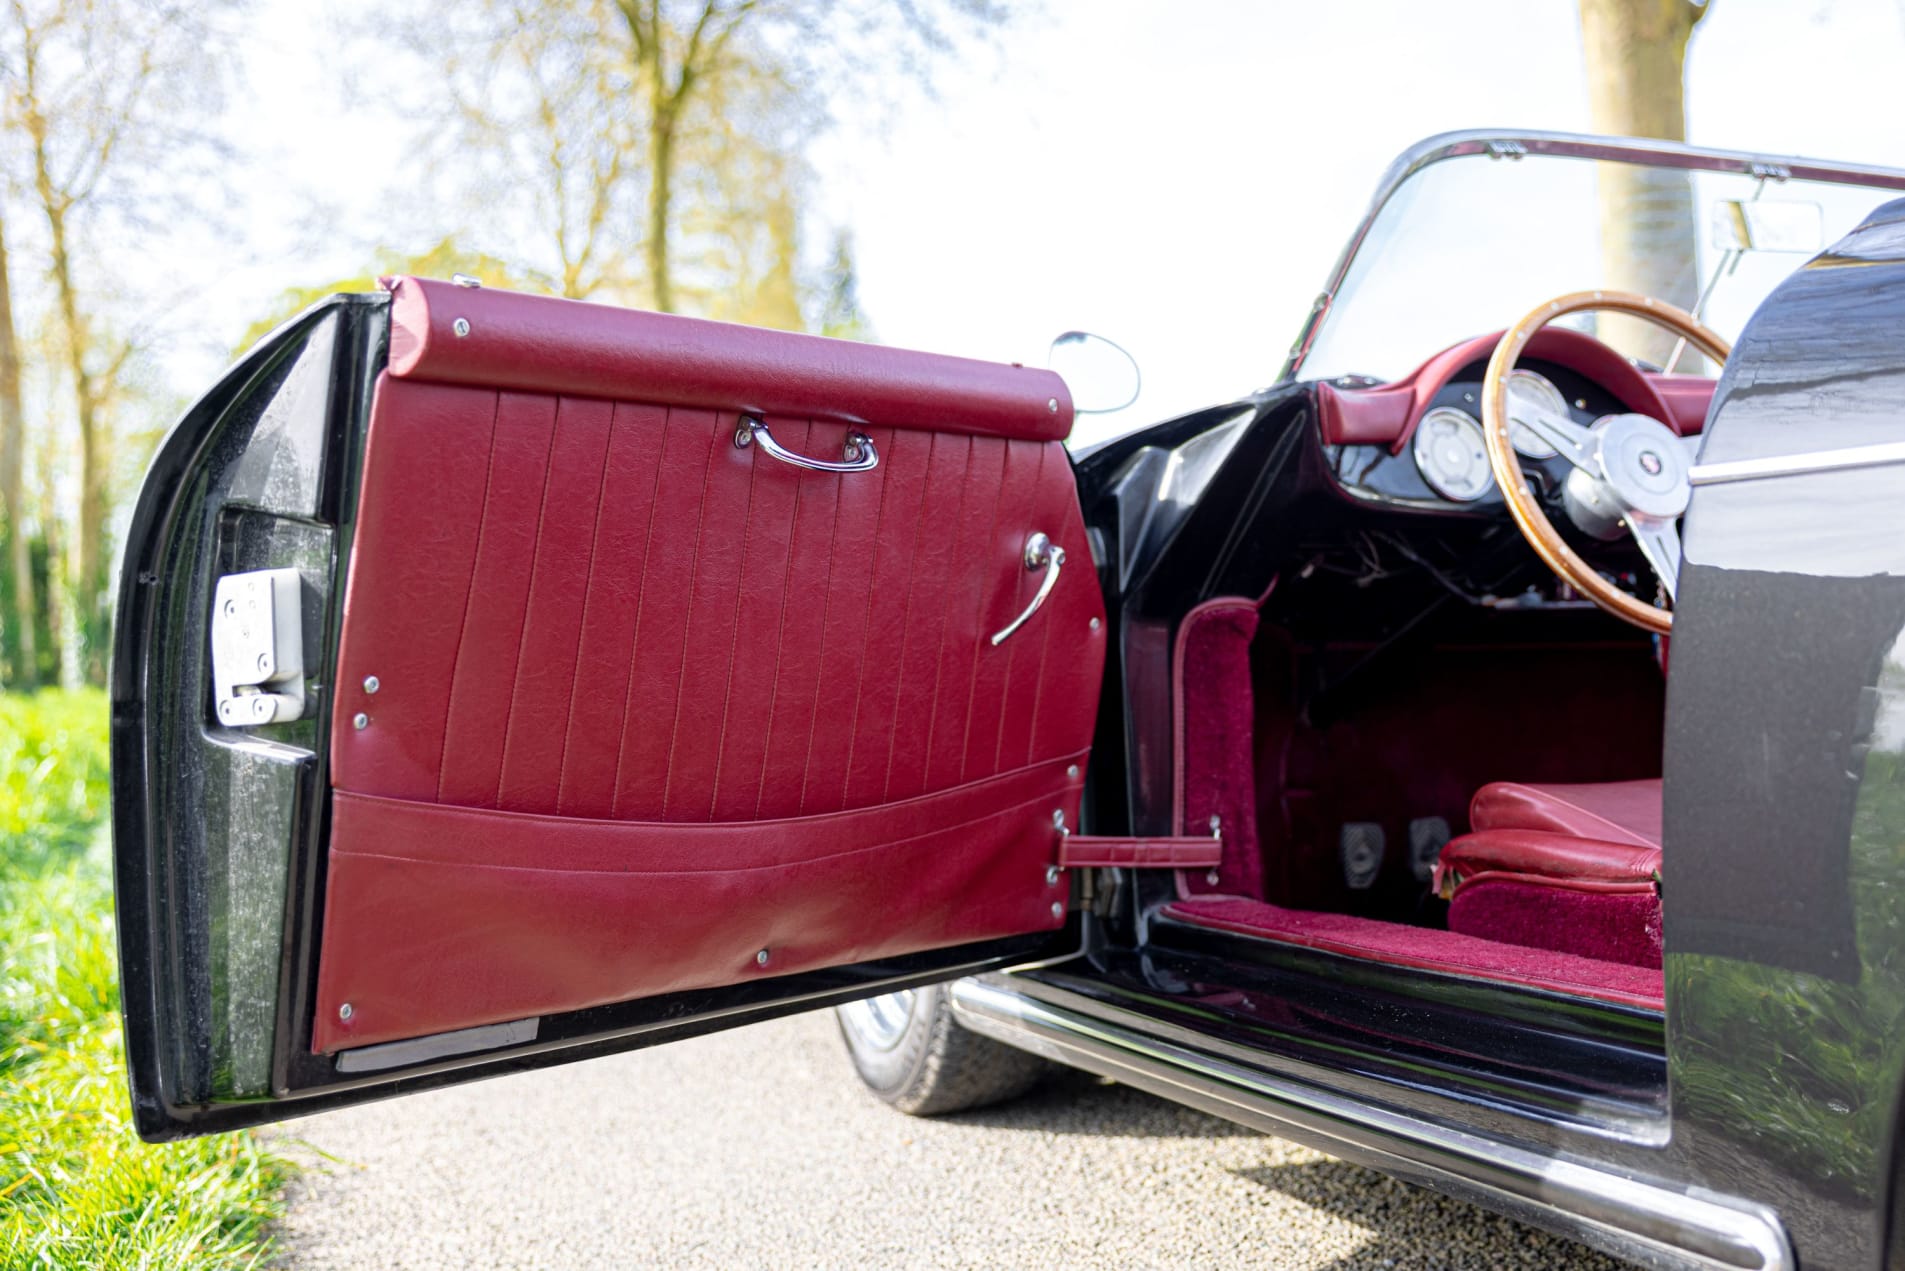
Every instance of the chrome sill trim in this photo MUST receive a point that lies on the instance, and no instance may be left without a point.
(1805, 461)
(1637, 1220)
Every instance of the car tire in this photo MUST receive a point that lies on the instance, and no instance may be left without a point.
(909, 1051)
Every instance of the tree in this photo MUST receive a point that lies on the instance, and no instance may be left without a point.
(18, 565)
(104, 100)
(523, 112)
(840, 313)
(682, 50)
(661, 143)
(1636, 52)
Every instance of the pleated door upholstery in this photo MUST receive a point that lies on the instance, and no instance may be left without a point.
(655, 712)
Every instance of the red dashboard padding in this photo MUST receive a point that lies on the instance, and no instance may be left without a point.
(1386, 414)
(542, 344)
(439, 918)
(646, 703)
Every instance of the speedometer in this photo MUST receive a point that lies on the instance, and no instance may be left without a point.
(1538, 395)
(1450, 455)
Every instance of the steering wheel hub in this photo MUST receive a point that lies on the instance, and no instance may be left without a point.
(1643, 465)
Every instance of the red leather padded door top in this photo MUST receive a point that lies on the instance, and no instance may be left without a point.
(649, 705)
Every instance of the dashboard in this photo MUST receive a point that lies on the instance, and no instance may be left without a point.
(1444, 466)
(1417, 443)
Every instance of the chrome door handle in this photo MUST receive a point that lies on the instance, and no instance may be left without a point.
(856, 453)
(1039, 551)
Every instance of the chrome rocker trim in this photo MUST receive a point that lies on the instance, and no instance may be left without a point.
(1640, 1221)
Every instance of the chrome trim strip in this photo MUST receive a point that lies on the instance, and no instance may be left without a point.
(1635, 1219)
(1512, 146)
(1874, 456)
(417, 1050)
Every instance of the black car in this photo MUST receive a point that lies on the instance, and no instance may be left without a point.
(502, 681)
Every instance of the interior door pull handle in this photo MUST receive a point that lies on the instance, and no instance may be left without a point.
(856, 453)
(1040, 552)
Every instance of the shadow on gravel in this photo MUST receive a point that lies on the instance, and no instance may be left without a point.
(1412, 1227)
(1072, 1102)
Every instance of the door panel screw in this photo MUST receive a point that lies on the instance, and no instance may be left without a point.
(760, 959)
(360, 720)
(345, 1011)
(461, 326)
(370, 684)
(1051, 875)
(1058, 910)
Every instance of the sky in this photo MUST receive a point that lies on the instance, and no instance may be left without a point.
(1178, 177)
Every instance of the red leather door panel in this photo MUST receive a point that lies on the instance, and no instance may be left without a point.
(648, 704)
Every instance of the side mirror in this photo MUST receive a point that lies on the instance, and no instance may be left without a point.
(1767, 226)
(1102, 376)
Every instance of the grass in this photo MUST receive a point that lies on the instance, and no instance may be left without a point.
(77, 1187)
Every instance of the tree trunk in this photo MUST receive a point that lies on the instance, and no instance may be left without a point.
(19, 562)
(89, 586)
(661, 164)
(1636, 54)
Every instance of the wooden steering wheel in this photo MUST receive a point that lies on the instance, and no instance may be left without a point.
(1628, 471)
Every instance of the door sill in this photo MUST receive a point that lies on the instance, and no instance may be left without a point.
(1626, 1217)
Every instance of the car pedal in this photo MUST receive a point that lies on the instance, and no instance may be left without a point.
(1428, 835)
(1362, 845)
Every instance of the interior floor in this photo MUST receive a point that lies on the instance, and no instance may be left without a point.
(1407, 741)
(1360, 758)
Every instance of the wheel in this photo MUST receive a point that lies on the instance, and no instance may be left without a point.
(909, 1052)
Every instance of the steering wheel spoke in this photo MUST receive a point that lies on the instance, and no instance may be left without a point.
(1571, 441)
(1659, 541)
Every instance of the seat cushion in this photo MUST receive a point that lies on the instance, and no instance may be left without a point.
(1609, 811)
(1587, 897)
(1572, 868)
(1540, 856)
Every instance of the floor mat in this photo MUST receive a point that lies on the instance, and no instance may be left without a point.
(1428, 948)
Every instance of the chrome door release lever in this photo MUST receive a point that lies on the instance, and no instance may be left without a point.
(1039, 551)
(857, 453)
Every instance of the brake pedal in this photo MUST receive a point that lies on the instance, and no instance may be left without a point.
(1428, 835)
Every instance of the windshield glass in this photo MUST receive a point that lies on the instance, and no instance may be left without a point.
(1470, 244)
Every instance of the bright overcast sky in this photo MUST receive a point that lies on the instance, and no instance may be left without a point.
(1176, 176)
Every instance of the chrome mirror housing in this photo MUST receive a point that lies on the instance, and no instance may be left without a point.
(1102, 376)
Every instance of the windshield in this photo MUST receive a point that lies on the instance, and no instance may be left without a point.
(1469, 244)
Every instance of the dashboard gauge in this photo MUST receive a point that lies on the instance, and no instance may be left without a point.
(1540, 394)
(1450, 455)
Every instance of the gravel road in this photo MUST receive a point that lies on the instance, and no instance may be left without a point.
(758, 1148)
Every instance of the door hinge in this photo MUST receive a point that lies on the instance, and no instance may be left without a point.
(258, 648)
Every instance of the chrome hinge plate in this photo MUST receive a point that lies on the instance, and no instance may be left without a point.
(258, 648)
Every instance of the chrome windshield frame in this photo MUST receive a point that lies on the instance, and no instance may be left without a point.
(1513, 146)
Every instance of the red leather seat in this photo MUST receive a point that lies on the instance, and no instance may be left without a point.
(1574, 868)
(1616, 811)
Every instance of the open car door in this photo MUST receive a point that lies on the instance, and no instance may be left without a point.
(502, 680)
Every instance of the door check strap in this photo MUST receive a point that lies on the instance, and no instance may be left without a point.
(1084, 851)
